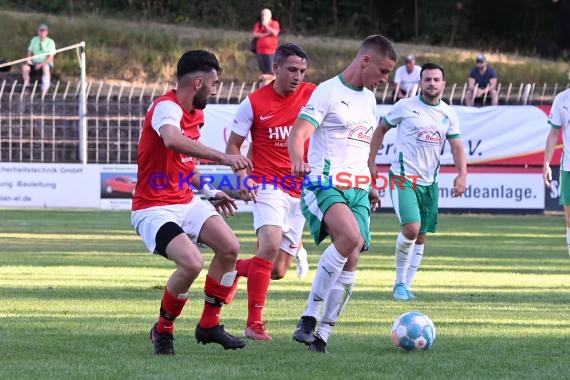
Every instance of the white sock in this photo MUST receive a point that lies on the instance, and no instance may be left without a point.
(568, 238)
(336, 301)
(414, 264)
(404, 247)
(329, 268)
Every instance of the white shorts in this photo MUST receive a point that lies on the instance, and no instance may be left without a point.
(277, 208)
(190, 217)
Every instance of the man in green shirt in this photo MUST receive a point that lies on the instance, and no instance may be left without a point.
(40, 44)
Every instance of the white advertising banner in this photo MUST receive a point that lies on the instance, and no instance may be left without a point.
(49, 185)
(489, 134)
(515, 191)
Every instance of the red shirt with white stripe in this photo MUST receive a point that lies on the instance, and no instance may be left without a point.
(163, 176)
(269, 117)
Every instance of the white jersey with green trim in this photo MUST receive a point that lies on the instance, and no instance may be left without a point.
(344, 118)
(421, 134)
(560, 118)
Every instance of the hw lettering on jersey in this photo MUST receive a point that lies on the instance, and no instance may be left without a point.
(279, 135)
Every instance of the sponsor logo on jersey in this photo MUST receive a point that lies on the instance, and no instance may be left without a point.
(428, 136)
(361, 134)
(279, 133)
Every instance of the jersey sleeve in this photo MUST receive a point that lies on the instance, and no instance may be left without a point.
(317, 107)
(555, 117)
(243, 119)
(394, 116)
(166, 112)
(454, 131)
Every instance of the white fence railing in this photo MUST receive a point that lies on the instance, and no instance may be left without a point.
(48, 129)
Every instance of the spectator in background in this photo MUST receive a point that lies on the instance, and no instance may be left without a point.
(407, 78)
(40, 44)
(266, 32)
(482, 81)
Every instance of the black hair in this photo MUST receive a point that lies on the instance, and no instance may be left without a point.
(287, 50)
(197, 60)
(432, 66)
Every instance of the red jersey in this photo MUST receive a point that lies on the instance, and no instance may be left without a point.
(267, 44)
(163, 176)
(269, 117)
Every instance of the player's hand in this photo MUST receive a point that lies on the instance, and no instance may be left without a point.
(237, 162)
(300, 169)
(249, 191)
(547, 175)
(374, 199)
(459, 184)
(224, 204)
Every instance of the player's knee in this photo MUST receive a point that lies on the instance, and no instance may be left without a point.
(278, 272)
(191, 265)
(351, 242)
(229, 252)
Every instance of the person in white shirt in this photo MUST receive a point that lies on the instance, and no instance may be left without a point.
(424, 122)
(339, 119)
(407, 78)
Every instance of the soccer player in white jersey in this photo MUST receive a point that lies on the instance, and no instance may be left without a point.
(339, 118)
(423, 124)
(559, 119)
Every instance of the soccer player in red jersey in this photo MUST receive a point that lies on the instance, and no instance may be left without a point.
(268, 115)
(166, 215)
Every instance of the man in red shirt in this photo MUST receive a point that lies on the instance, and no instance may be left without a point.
(266, 31)
(169, 219)
(268, 115)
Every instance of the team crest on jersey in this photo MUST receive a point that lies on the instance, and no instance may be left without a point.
(360, 134)
(429, 137)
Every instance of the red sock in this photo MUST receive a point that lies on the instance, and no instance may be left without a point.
(215, 296)
(242, 266)
(170, 308)
(258, 278)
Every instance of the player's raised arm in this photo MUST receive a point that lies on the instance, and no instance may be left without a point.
(300, 133)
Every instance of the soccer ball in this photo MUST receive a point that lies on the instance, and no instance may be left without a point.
(413, 331)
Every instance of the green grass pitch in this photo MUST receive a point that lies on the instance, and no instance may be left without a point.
(79, 293)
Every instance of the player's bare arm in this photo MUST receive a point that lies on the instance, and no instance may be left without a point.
(458, 153)
(375, 143)
(233, 147)
(301, 132)
(224, 203)
(177, 142)
(549, 149)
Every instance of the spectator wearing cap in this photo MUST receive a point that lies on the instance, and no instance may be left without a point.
(407, 77)
(44, 48)
(482, 82)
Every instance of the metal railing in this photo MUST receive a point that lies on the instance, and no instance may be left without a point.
(47, 129)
